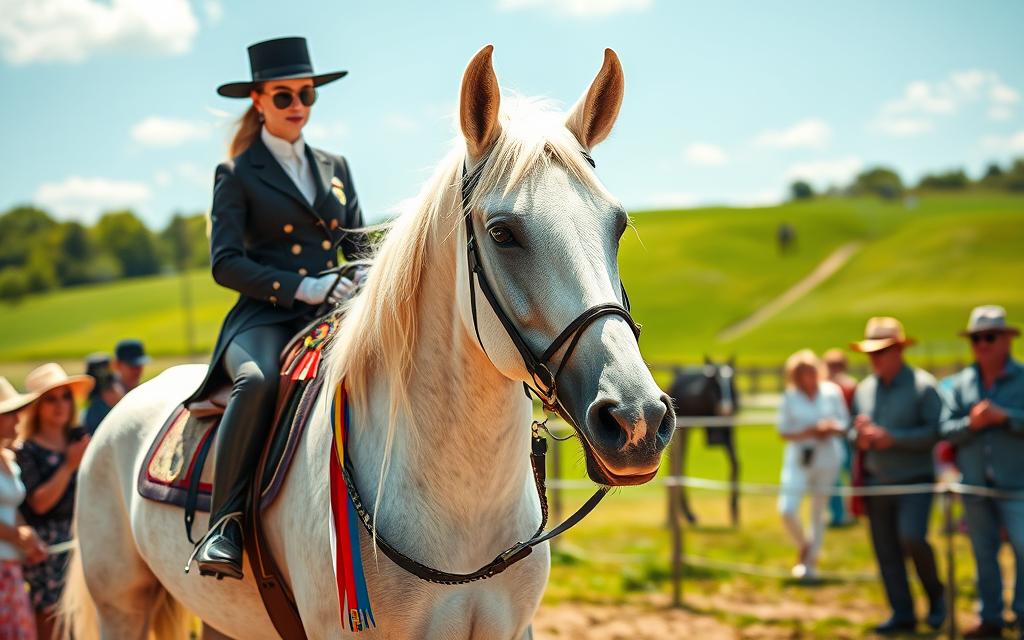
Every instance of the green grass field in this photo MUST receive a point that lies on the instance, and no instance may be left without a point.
(689, 273)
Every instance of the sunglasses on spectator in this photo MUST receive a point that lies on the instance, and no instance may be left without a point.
(57, 397)
(283, 98)
(988, 336)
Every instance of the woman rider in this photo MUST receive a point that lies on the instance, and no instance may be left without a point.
(281, 210)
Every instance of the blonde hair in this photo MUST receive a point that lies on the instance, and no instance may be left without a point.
(249, 126)
(380, 328)
(802, 358)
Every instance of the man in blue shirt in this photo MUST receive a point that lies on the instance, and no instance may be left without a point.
(984, 419)
(896, 426)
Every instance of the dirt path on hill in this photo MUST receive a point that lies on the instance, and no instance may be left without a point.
(825, 269)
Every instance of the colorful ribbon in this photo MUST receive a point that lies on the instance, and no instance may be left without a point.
(353, 595)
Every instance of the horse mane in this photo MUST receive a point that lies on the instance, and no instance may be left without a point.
(378, 334)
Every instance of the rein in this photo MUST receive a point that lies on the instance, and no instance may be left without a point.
(545, 388)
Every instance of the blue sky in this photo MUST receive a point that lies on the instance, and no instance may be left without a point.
(112, 103)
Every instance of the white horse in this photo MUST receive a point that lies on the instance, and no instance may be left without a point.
(440, 435)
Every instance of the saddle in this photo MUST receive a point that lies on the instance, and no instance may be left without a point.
(175, 470)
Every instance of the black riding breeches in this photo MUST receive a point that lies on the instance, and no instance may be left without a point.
(252, 362)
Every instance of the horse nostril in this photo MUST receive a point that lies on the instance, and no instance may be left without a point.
(667, 427)
(608, 427)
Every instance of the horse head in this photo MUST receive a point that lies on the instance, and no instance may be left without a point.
(545, 234)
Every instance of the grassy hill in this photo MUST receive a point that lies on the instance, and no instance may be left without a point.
(697, 272)
(689, 273)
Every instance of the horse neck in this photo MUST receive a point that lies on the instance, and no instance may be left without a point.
(459, 475)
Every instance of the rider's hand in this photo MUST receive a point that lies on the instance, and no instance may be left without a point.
(315, 290)
(342, 292)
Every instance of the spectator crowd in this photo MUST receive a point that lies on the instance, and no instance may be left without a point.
(42, 441)
(887, 430)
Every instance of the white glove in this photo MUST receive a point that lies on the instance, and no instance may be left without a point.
(360, 273)
(342, 292)
(314, 290)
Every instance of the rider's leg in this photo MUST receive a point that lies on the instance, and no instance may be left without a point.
(252, 362)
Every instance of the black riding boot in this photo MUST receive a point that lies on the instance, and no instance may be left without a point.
(252, 362)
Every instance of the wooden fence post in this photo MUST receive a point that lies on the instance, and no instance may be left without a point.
(676, 528)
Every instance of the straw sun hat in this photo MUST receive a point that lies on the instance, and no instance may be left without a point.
(881, 333)
(52, 376)
(10, 399)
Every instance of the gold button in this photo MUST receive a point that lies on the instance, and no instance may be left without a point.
(334, 224)
(273, 299)
(296, 249)
(288, 228)
(330, 264)
(326, 244)
(276, 285)
(303, 271)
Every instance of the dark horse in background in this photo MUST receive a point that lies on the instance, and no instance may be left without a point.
(700, 391)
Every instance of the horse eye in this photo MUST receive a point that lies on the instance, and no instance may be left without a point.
(501, 235)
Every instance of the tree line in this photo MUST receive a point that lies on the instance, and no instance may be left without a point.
(887, 183)
(39, 253)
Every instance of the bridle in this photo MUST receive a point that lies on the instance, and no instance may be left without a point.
(544, 387)
(545, 383)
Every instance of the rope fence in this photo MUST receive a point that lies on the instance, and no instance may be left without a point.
(945, 490)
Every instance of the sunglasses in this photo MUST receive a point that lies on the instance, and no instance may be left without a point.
(57, 397)
(283, 99)
(988, 337)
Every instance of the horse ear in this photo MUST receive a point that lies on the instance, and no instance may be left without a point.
(707, 360)
(479, 104)
(592, 118)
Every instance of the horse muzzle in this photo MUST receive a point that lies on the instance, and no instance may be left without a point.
(623, 440)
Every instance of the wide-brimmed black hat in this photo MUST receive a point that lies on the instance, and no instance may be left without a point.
(279, 59)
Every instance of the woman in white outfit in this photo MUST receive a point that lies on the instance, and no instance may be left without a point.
(812, 420)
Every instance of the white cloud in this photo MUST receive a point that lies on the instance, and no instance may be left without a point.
(1003, 94)
(85, 198)
(823, 173)
(922, 102)
(705, 155)
(156, 131)
(320, 134)
(214, 11)
(578, 8)
(923, 97)
(399, 122)
(1014, 143)
(812, 133)
(73, 30)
